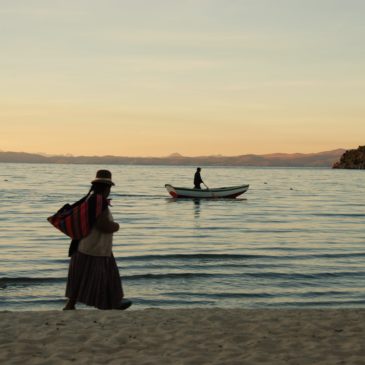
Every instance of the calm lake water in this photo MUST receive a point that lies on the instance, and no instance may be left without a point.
(295, 239)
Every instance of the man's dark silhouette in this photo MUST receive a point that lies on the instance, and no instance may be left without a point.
(197, 179)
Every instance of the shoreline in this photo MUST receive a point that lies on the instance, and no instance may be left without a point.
(184, 336)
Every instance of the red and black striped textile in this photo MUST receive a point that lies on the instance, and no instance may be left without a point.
(76, 220)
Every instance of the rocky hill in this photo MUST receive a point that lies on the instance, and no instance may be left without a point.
(352, 159)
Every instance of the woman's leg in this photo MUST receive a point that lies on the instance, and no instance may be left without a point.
(70, 305)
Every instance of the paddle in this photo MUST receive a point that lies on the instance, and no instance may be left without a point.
(206, 186)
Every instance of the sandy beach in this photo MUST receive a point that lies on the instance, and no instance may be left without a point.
(183, 336)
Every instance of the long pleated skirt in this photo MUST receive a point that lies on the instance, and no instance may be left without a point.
(95, 281)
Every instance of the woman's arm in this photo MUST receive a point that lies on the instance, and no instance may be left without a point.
(105, 224)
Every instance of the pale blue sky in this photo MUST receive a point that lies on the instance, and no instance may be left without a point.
(195, 77)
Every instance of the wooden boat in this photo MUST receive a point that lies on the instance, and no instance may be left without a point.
(226, 192)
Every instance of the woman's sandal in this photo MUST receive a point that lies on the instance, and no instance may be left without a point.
(124, 304)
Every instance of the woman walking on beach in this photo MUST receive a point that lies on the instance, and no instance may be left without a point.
(93, 276)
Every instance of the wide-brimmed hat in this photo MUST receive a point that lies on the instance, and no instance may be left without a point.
(103, 177)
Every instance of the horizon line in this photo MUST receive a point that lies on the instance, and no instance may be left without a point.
(177, 154)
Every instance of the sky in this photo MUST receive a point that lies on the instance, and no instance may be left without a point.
(197, 77)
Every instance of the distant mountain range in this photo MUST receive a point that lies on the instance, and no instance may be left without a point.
(319, 159)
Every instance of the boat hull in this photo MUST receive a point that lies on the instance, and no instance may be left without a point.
(226, 192)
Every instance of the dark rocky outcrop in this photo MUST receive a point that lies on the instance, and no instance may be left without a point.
(352, 159)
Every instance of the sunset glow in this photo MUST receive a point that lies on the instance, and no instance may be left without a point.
(202, 77)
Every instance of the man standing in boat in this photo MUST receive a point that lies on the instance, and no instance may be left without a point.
(198, 179)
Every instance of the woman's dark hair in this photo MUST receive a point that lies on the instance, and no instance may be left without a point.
(99, 188)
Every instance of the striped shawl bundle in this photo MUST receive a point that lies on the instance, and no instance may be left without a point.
(76, 220)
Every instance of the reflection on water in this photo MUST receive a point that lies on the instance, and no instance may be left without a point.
(196, 208)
